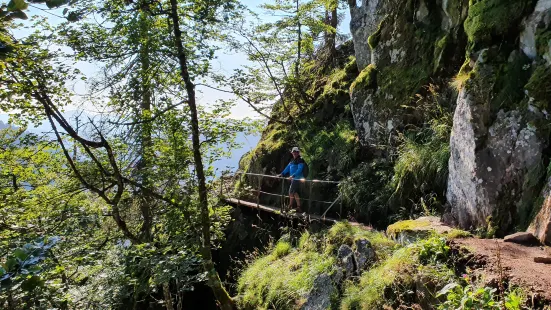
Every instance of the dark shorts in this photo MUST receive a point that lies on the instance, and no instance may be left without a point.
(295, 187)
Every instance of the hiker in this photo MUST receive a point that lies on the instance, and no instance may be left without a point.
(295, 171)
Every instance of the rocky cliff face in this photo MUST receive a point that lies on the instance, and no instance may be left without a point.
(449, 100)
(496, 54)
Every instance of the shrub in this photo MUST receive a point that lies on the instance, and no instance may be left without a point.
(279, 283)
(366, 192)
(433, 250)
(469, 297)
(394, 275)
(458, 233)
(281, 249)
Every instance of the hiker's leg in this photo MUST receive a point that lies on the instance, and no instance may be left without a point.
(297, 199)
(293, 194)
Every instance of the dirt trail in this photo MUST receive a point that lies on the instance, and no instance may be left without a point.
(517, 261)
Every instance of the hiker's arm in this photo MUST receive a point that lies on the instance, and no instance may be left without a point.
(286, 170)
(299, 170)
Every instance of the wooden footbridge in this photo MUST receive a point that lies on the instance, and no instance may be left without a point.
(281, 207)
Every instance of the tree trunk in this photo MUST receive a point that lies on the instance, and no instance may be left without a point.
(168, 297)
(299, 42)
(333, 35)
(220, 293)
(144, 165)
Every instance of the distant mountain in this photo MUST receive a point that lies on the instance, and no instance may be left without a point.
(3, 125)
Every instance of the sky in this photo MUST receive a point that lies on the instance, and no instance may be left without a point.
(225, 61)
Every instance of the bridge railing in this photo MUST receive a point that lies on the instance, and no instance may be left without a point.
(283, 205)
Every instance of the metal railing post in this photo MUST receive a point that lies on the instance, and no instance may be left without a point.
(310, 197)
(282, 195)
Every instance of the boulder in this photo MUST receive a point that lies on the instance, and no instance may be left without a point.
(411, 230)
(364, 254)
(345, 260)
(524, 238)
(319, 298)
(405, 53)
(541, 224)
(489, 163)
(540, 18)
(365, 17)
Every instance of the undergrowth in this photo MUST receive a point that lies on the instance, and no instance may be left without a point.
(283, 276)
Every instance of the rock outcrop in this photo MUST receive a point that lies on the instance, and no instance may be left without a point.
(499, 138)
(541, 225)
(407, 43)
(320, 295)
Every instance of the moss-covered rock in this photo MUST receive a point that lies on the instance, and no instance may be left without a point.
(374, 39)
(411, 230)
(366, 80)
(488, 19)
(539, 87)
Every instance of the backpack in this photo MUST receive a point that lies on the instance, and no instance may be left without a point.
(305, 168)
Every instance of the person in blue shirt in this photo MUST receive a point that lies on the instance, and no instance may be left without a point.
(294, 171)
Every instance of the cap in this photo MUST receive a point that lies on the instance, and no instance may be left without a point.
(295, 149)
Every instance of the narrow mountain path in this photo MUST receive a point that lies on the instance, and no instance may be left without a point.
(517, 263)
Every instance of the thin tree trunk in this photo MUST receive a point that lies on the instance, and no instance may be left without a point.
(333, 35)
(299, 43)
(220, 293)
(145, 132)
(168, 297)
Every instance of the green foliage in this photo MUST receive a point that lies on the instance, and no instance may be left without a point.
(281, 249)
(280, 282)
(487, 18)
(539, 86)
(457, 234)
(433, 250)
(471, 297)
(402, 226)
(394, 274)
(373, 40)
(344, 233)
(543, 37)
(401, 82)
(281, 278)
(366, 80)
(366, 192)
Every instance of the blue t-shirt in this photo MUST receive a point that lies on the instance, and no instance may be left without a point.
(294, 168)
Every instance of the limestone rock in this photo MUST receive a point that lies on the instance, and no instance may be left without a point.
(541, 224)
(364, 253)
(488, 164)
(345, 257)
(410, 230)
(540, 16)
(365, 18)
(319, 298)
(363, 113)
(524, 238)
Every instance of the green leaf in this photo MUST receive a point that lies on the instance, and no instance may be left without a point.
(18, 14)
(10, 264)
(14, 5)
(55, 3)
(2, 271)
(31, 283)
(446, 289)
(21, 254)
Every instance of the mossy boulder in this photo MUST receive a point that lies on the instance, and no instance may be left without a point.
(411, 230)
(367, 79)
(488, 19)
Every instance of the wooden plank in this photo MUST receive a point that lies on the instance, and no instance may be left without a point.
(278, 211)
